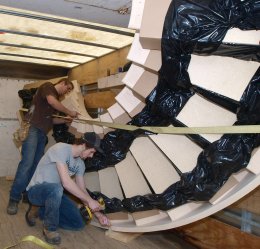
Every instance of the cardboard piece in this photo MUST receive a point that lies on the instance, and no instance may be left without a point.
(150, 59)
(140, 80)
(118, 114)
(198, 112)
(109, 183)
(131, 103)
(111, 81)
(224, 75)
(136, 14)
(253, 165)
(179, 149)
(150, 35)
(156, 167)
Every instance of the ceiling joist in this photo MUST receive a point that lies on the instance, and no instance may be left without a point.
(44, 39)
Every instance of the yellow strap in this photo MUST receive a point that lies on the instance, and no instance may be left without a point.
(35, 240)
(239, 129)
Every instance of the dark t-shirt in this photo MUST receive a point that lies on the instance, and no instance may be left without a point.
(42, 110)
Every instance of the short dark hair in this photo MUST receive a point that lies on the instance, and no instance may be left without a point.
(66, 82)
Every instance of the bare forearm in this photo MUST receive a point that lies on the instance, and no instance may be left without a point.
(61, 121)
(72, 187)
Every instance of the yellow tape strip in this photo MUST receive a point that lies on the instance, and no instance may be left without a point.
(239, 129)
(33, 239)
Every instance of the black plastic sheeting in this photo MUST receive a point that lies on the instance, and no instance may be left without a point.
(193, 28)
(61, 134)
(27, 96)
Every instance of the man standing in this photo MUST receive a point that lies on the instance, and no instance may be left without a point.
(52, 176)
(44, 105)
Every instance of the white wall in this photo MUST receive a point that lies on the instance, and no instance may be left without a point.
(10, 103)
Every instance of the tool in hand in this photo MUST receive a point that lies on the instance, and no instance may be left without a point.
(86, 212)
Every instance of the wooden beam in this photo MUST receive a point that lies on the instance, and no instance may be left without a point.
(250, 202)
(25, 70)
(90, 72)
(211, 233)
(40, 82)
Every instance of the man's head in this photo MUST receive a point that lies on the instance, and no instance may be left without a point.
(64, 86)
(92, 144)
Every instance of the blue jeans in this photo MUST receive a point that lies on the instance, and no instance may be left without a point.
(32, 152)
(56, 209)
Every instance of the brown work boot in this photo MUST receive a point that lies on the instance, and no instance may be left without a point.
(12, 207)
(52, 237)
(31, 215)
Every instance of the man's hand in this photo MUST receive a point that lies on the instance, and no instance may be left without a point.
(94, 205)
(73, 114)
(103, 220)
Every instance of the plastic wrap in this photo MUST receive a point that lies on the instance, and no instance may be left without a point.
(27, 96)
(197, 28)
(61, 134)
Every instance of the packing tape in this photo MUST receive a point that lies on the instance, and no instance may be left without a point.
(33, 239)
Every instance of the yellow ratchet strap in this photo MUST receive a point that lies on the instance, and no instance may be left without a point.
(238, 129)
(33, 239)
(89, 212)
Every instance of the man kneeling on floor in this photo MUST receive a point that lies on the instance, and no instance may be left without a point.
(52, 176)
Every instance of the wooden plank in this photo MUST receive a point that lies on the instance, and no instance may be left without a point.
(13, 228)
(26, 70)
(109, 183)
(151, 216)
(118, 114)
(253, 165)
(250, 202)
(140, 80)
(211, 233)
(100, 99)
(136, 14)
(123, 237)
(223, 75)
(106, 118)
(155, 166)
(130, 102)
(236, 35)
(150, 35)
(92, 181)
(179, 149)
(129, 172)
(199, 112)
(224, 190)
(150, 59)
(90, 72)
(183, 210)
(111, 81)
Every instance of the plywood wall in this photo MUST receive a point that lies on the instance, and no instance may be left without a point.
(90, 72)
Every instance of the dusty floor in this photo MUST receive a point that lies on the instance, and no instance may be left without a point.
(13, 228)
